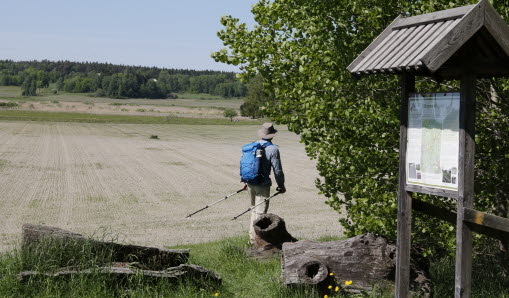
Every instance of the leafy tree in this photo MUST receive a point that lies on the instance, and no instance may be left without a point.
(230, 113)
(256, 98)
(302, 49)
(29, 86)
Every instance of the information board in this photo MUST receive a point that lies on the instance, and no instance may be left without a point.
(433, 140)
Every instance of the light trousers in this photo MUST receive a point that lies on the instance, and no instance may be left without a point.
(257, 193)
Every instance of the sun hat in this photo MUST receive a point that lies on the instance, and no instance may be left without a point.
(267, 131)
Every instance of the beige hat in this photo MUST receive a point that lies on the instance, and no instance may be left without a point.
(267, 131)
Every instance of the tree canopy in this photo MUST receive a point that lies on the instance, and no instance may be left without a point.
(302, 49)
(118, 81)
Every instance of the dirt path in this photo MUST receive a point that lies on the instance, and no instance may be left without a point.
(100, 178)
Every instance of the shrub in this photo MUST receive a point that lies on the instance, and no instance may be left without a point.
(9, 104)
(230, 113)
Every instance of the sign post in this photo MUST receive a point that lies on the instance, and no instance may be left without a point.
(437, 131)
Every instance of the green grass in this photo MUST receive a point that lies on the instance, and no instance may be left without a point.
(242, 276)
(18, 115)
(199, 96)
(188, 100)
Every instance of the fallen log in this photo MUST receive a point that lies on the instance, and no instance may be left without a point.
(364, 260)
(150, 257)
(120, 274)
(270, 234)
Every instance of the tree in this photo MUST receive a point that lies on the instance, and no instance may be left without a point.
(230, 113)
(256, 98)
(29, 86)
(302, 49)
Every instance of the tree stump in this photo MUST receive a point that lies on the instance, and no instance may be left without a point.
(365, 260)
(271, 233)
(35, 236)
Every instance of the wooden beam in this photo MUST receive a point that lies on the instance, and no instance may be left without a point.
(455, 38)
(450, 217)
(497, 27)
(432, 191)
(403, 242)
(463, 277)
(439, 16)
(485, 219)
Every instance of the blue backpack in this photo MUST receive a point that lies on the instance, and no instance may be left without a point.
(250, 163)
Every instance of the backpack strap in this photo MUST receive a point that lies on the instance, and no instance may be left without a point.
(267, 144)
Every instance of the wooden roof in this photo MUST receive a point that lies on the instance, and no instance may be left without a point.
(440, 43)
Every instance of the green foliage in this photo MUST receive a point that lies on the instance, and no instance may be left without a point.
(257, 96)
(29, 87)
(117, 81)
(230, 113)
(9, 104)
(302, 49)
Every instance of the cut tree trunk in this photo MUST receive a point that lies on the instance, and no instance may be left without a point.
(150, 257)
(271, 233)
(365, 260)
(119, 274)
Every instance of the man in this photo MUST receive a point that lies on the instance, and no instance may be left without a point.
(261, 191)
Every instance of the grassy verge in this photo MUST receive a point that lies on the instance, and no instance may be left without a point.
(242, 276)
(17, 115)
(199, 96)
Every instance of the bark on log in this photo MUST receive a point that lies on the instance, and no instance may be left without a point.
(150, 257)
(271, 233)
(364, 260)
(121, 274)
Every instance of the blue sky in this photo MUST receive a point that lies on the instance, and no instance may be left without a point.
(174, 34)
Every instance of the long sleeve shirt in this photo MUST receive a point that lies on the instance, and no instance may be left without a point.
(272, 161)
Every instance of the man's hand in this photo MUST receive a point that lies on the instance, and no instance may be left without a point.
(245, 186)
(281, 189)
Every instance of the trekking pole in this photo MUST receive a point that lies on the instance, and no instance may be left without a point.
(251, 208)
(226, 197)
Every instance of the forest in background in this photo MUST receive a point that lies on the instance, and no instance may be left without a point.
(116, 81)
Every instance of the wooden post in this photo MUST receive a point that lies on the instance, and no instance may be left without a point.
(404, 199)
(463, 278)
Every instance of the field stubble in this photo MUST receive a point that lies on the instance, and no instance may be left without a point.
(90, 177)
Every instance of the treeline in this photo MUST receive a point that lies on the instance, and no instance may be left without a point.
(116, 81)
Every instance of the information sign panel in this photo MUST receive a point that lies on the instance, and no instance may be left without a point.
(433, 140)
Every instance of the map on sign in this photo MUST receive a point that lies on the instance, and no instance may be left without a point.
(433, 140)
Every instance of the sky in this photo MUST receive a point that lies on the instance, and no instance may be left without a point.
(171, 33)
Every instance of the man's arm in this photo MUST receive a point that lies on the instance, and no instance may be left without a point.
(275, 160)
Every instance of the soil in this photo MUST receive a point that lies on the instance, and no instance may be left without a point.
(112, 180)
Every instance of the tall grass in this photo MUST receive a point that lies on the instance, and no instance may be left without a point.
(242, 276)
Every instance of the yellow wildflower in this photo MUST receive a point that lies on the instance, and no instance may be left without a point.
(326, 296)
(348, 282)
(216, 294)
(331, 274)
(336, 289)
(330, 287)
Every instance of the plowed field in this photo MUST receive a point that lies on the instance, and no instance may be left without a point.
(112, 178)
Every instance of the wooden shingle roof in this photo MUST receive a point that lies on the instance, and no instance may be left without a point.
(425, 43)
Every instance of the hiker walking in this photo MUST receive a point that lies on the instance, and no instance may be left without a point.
(266, 157)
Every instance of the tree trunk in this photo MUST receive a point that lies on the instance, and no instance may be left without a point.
(364, 260)
(150, 257)
(271, 233)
